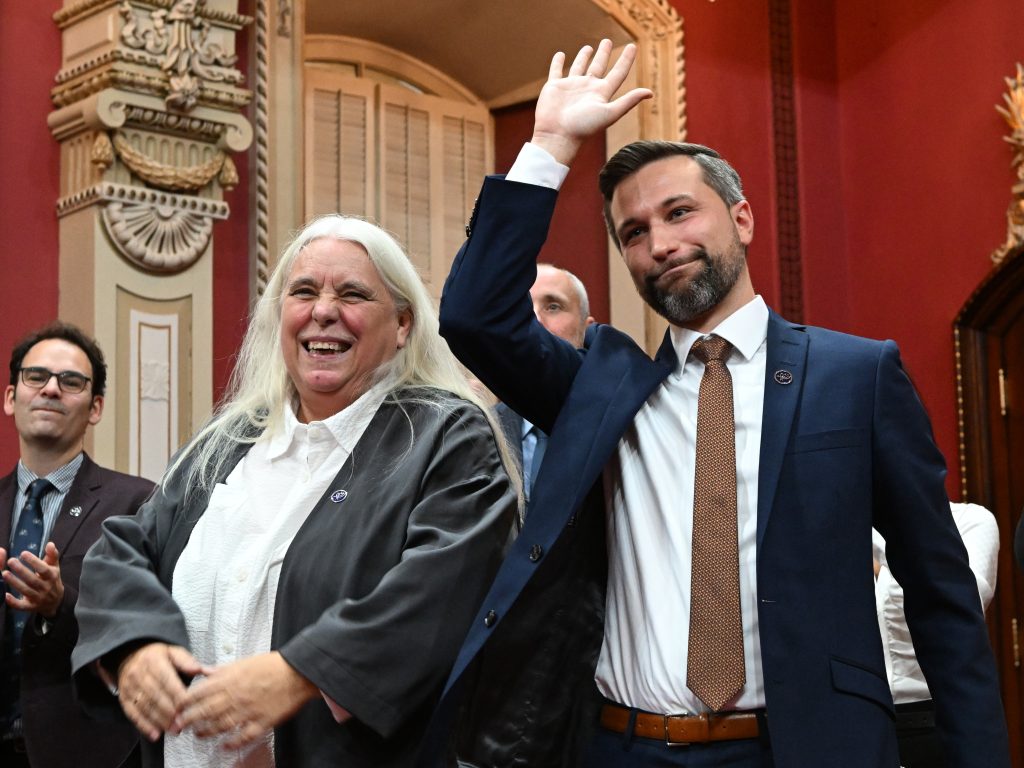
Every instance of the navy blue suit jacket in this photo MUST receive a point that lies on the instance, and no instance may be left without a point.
(846, 445)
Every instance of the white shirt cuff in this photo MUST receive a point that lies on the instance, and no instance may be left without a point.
(536, 166)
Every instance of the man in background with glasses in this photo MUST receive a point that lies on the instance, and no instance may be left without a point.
(51, 508)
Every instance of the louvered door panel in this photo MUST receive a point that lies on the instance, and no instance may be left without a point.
(339, 152)
(405, 150)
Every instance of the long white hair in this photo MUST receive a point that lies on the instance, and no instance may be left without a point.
(260, 386)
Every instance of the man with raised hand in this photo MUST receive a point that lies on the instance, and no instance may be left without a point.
(733, 482)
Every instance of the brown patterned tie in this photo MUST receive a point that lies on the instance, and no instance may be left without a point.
(714, 667)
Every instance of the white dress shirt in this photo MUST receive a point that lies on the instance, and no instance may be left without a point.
(225, 581)
(980, 533)
(649, 497)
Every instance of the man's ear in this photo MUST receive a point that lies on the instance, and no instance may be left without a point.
(96, 410)
(9, 400)
(743, 220)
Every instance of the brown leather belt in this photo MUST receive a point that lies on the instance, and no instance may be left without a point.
(682, 729)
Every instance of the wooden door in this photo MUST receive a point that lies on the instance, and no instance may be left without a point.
(990, 386)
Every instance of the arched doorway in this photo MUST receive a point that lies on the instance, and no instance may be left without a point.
(499, 53)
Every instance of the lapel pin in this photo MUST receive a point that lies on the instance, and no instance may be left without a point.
(783, 377)
(75, 511)
(339, 496)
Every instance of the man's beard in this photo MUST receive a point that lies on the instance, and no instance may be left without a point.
(697, 296)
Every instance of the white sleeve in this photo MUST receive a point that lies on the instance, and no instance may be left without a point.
(888, 603)
(536, 166)
(980, 533)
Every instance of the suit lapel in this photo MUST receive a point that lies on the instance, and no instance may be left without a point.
(785, 372)
(8, 490)
(82, 498)
(599, 411)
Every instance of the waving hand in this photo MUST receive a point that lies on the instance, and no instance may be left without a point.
(574, 106)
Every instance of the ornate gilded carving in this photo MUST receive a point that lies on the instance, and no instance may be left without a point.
(111, 192)
(228, 176)
(659, 31)
(65, 17)
(161, 238)
(180, 35)
(102, 154)
(175, 178)
(1013, 113)
(284, 18)
(167, 122)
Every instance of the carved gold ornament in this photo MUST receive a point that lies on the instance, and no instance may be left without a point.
(181, 37)
(178, 179)
(158, 237)
(1013, 113)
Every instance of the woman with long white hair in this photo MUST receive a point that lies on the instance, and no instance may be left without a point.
(296, 590)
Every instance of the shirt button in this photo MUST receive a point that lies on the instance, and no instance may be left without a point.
(228, 648)
(536, 553)
(242, 576)
(490, 618)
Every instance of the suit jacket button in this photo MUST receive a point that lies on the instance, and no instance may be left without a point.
(536, 552)
(490, 618)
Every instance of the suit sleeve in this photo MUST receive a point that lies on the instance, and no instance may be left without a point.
(927, 557)
(383, 655)
(121, 598)
(486, 313)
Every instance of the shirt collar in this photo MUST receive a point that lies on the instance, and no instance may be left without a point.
(746, 329)
(62, 477)
(340, 427)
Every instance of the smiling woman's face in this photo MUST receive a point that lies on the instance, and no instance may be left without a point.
(338, 325)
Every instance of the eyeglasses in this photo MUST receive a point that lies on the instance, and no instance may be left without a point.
(71, 382)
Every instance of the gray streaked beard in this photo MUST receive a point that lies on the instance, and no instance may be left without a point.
(700, 294)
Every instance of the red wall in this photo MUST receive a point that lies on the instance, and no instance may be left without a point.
(577, 240)
(924, 178)
(728, 107)
(232, 241)
(30, 173)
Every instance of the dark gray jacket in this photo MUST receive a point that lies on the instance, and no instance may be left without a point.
(375, 593)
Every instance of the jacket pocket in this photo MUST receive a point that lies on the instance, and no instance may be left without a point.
(859, 681)
(824, 441)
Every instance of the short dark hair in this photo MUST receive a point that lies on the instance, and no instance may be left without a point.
(718, 174)
(71, 334)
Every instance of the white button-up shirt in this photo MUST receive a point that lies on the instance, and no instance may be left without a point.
(225, 581)
(980, 533)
